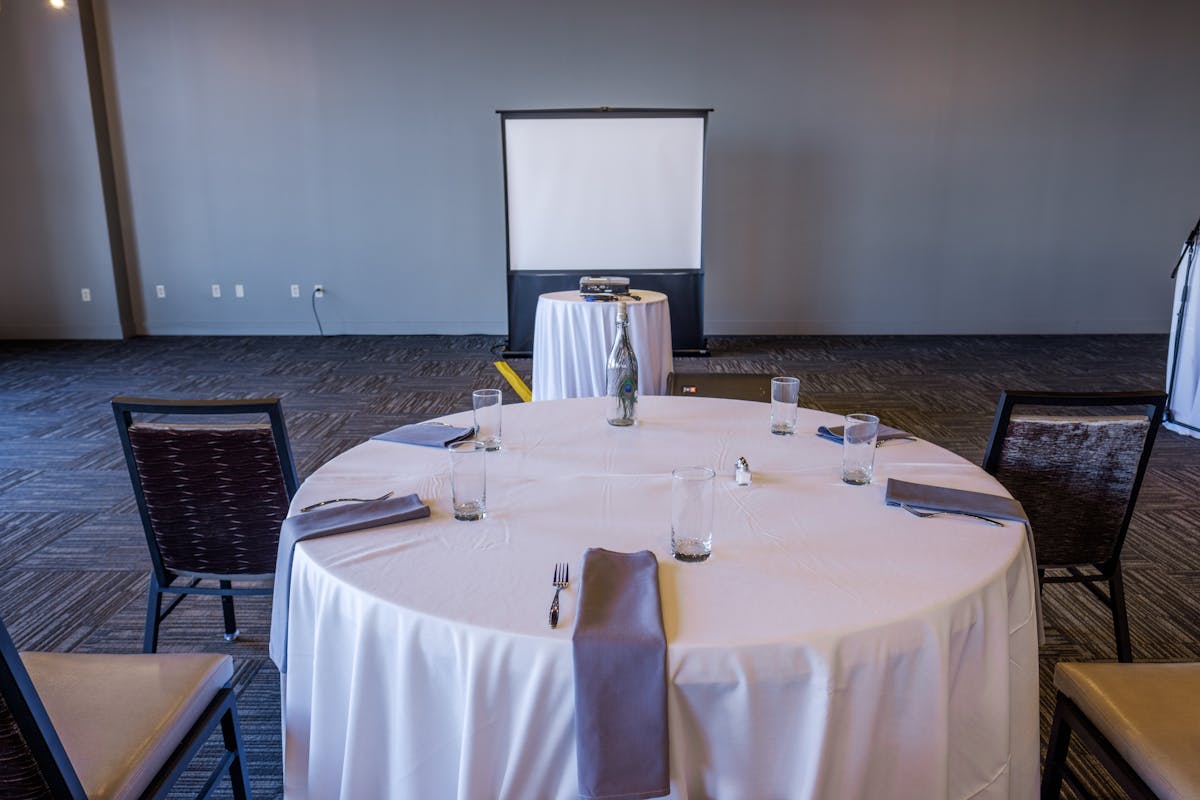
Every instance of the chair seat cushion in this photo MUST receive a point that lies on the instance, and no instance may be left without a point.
(120, 716)
(1149, 712)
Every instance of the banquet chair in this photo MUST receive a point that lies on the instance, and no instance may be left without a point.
(1077, 476)
(732, 386)
(1138, 720)
(211, 496)
(80, 725)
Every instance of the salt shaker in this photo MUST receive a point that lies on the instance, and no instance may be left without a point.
(741, 473)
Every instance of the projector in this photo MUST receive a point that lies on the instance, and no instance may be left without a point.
(605, 285)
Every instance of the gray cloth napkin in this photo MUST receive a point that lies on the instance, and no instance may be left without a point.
(941, 498)
(621, 679)
(426, 434)
(886, 432)
(326, 522)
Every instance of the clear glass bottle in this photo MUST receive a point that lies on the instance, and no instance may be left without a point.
(622, 384)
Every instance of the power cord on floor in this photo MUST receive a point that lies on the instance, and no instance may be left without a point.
(315, 294)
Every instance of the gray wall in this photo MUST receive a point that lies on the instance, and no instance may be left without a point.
(53, 239)
(921, 167)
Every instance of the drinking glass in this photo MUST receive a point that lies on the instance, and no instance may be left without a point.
(692, 499)
(858, 448)
(785, 394)
(487, 404)
(468, 480)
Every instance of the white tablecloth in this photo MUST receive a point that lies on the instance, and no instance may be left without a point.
(1183, 357)
(832, 647)
(572, 338)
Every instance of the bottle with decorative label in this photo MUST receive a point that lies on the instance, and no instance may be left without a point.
(622, 384)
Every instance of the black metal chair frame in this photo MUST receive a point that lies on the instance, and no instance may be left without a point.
(162, 580)
(1108, 571)
(1068, 718)
(55, 767)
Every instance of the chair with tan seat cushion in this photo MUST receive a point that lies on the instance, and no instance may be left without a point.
(1142, 721)
(112, 726)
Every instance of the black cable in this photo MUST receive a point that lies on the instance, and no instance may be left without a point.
(317, 316)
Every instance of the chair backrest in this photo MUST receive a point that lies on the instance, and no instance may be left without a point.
(212, 495)
(33, 762)
(1076, 474)
(734, 386)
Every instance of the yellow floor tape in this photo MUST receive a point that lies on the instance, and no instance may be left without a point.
(514, 380)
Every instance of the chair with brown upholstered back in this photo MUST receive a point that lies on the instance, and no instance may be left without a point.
(76, 725)
(1077, 476)
(211, 494)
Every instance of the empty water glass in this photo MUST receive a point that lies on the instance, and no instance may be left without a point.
(785, 395)
(858, 448)
(692, 501)
(487, 404)
(468, 480)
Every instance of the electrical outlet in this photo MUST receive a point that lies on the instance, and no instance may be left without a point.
(239, 290)
(295, 290)
(160, 291)
(216, 287)
(86, 294)
(319, 290)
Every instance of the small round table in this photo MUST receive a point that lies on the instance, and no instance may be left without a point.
(572, 337)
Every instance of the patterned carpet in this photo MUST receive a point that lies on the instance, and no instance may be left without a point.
(73, 560)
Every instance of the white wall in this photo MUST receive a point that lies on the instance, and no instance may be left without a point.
(937, 166)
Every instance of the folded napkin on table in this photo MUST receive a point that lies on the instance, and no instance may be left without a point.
(947, 500)
(942, 498)
(620, 654)
(326, 522)
(426, 434)
(885, 433)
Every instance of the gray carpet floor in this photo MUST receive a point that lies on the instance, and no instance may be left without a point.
(73, 560)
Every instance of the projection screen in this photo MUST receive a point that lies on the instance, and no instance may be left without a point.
(603, 193)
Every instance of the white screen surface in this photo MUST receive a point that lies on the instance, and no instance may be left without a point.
(604, 193)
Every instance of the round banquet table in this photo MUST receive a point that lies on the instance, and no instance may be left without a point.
(832, 646)
(572, 338)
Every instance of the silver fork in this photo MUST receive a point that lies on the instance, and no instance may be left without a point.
(346, 500)
(918, 513)
(561, 579)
